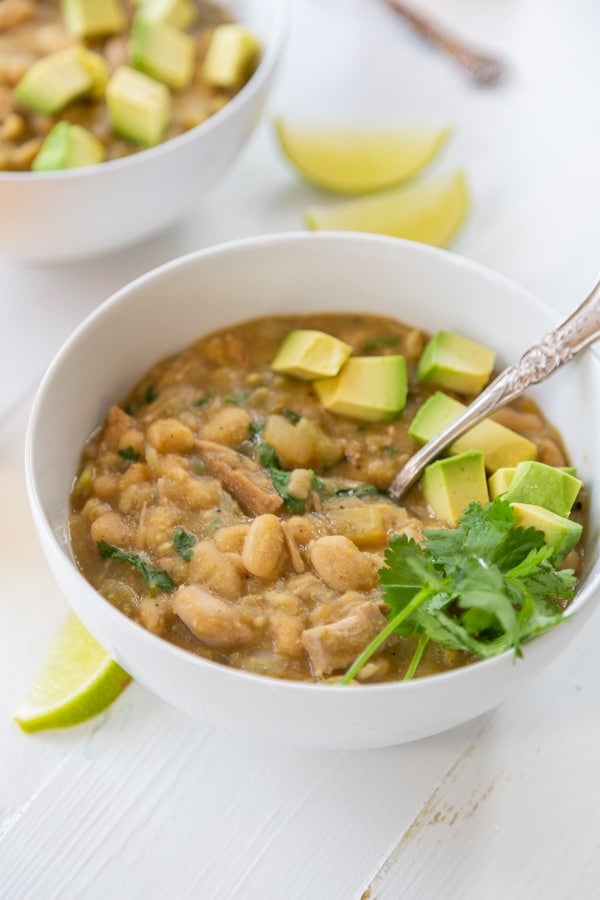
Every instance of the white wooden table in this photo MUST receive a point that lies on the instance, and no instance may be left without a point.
(144, 803)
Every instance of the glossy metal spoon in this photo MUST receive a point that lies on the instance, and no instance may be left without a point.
(558, 347)
(482, 68)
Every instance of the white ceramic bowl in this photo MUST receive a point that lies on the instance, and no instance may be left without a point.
(50, 216)
(307, 272)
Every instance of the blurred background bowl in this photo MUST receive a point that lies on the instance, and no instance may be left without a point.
(210, 289)
(51, 216)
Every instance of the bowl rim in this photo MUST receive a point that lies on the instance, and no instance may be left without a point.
(582, 598)
(266, 65)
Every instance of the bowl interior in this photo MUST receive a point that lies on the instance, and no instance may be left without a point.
(165, 310)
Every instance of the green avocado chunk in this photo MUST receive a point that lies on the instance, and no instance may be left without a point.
(499, 481)
(68, 147)
(58, 79)
(456, 363)
(231, 56)
(93, 18)
(178, 13)
(138, 107)
(370, 388)
(559, 532)
(537, 484)
(308, 354)
(163, 52)
(501, 447)
(449, 485)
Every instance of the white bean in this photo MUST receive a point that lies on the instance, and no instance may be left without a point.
(340, 564)
(263, 546)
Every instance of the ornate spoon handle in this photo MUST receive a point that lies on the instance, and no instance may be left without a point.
(480, 67)
(558, 347)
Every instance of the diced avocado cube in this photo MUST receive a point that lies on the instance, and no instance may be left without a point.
(231, 57)
(501, 447)
(370, 388)
(56, 80)
(449, 485)
(537, 484)
(139, 107)
(178, 13)
(308, 354)
(68, 147)
(96, 66)
(456, 363)
(559, 532)
(364, 525)
(433, 416)
(93, 18)
(163, 52)
(499, 481)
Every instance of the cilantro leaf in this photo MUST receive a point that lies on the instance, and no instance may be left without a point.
(405, 573)
(281, 480)
(156, 579)
(128, 453)
(484, 587)
(268, 459)
(255, 429)
(151, 394)
(358, 490)
(183, 543)
(267, 456)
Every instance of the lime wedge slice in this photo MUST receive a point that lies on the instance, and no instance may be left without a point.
(77, 680)
(358, 160)
(427, 211)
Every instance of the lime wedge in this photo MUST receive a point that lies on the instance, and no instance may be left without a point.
(77, 680)
(427, 211)
(358, 160)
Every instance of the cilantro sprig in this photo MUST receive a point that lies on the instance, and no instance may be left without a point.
(184, 543)
(268, 458)
(484, 587)
(156, 579)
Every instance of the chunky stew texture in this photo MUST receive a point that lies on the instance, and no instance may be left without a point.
(224, 509)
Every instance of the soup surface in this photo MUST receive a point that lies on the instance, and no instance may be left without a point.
(31, 30)
(224, 509)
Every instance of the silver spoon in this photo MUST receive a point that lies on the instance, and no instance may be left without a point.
(482, 68)
(558, 347)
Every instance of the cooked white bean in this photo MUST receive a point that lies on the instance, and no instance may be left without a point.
(340, 564)
(228, 426)
(210, 618)
(170, 436)
(550, 453)
(110, 527)
(220, 572)
(263, 546)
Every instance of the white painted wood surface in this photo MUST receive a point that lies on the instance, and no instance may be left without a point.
(144, 803)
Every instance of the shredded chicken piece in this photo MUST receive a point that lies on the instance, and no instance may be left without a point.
(241, 477)
(295, 555)
(335, 646)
